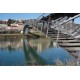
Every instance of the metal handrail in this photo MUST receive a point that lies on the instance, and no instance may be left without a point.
(65, 23)
(41, 15)
(61, 23)
(68, 20)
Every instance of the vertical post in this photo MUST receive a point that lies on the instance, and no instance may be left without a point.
(65, 27)
(47, 30)
(37, 25)
(41, 28)
(73, 23)
(49, 24)
(57, 36)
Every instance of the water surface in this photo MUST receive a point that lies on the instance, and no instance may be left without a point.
(23, 52)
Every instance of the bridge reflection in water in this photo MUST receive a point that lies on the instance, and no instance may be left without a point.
(32, 58)
(23, 52)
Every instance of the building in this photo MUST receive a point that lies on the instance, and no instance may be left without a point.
(3, 21)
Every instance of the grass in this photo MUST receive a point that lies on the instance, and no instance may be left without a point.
(15, 35)
(68, 63)
(11, 34)
(75, 62)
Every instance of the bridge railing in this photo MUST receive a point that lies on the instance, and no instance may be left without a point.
(68, 29)
(63, 24)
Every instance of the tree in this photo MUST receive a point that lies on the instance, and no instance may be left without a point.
(9, 22)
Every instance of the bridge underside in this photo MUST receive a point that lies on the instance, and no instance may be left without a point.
(58, 15)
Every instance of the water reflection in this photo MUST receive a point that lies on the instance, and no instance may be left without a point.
(11, 44)
(18, 52)
(53, 54)
(11, 52)
(30, 52)
(32, 58)
(40, 44)
(46, 51)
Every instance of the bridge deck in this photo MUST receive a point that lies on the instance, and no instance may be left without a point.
(69, 41)
(69, 44)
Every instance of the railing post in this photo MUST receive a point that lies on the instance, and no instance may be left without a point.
(41, 28)
(37, 25)
(58, 35)
(47, 30)
(73, 23)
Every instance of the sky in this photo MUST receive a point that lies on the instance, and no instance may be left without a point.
(4, 16)
(77, 20)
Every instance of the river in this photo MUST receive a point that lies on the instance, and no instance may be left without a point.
(26, 52)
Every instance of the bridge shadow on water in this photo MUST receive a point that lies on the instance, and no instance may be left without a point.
(32, 58)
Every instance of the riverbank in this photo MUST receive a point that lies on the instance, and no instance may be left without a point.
(18, 35)
(37, 34)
